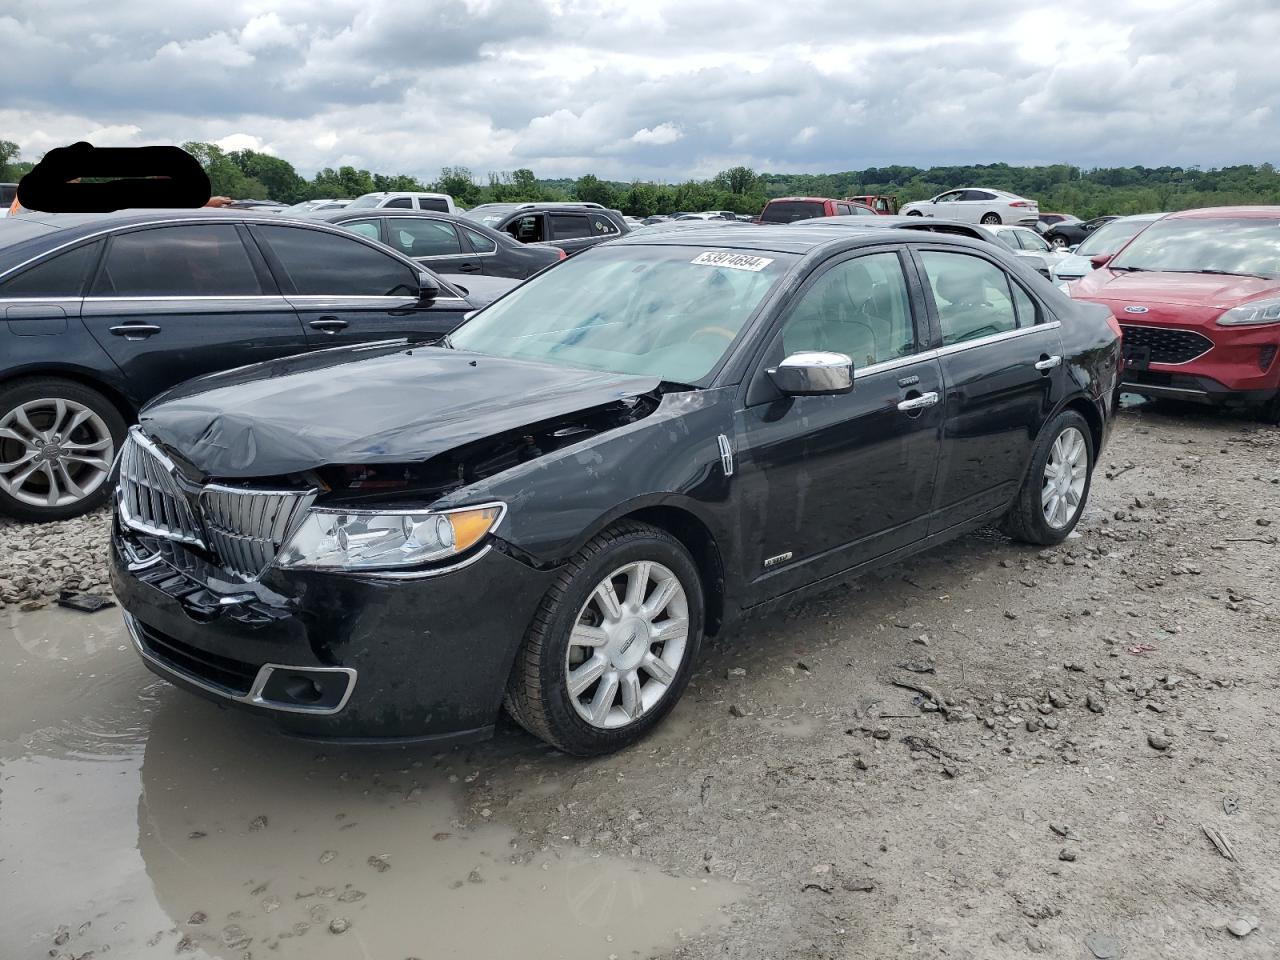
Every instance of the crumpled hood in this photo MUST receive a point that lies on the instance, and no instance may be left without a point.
(1177, 289)
(363, 405)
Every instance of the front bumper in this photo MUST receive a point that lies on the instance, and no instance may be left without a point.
(1238, 365)
(1156, 384)
(334, 656)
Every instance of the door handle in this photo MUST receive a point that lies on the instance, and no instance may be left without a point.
(328, 324)
(469, 268)
(135, 331)
(1047, 363)
(918, 403)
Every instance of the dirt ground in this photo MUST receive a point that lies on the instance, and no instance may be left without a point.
(1089, 720)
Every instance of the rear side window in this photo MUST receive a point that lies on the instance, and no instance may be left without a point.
(569, 226)
(845, 209)
(972, 296)
(63, 275)
(420, 237)
(7, 192)
(433, 203)
(205, 260)
(527, 229)
(863, 212)
(789, 211)
(327, 264)
(398, 203)
(479, 242)
(601, 225)
(366, 228)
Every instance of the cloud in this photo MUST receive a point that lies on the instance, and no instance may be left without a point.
(664, 89)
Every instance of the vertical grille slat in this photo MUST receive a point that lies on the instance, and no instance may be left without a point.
(248, 527)
(149, 497)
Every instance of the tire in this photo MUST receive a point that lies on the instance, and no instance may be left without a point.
(914, 213)
(1269, 412)
(69, 477)
(1058, 242)
(1026, 519)
(991, 218)
(538, 695)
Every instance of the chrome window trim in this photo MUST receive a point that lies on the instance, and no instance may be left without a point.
(998, 338)
(254, 696)
(40, 299)
(894, 364)
(1181, 363)
(183, 298)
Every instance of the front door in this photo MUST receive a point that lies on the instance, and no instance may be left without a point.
(348, 291)
(830, 482)
(174, 302)
(1001, 360)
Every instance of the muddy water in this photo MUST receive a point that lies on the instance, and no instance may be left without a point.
(137, 818)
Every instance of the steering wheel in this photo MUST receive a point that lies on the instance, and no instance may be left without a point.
(712, 330)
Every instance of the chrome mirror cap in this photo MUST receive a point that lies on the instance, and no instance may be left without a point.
(813, 373)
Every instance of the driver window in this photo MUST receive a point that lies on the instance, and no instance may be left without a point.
(859, 308)
(972, 296)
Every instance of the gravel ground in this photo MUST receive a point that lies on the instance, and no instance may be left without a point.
(987, 752)
(40, 560)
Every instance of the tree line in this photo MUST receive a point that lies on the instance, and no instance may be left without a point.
(244, 174)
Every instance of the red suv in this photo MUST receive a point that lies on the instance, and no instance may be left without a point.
(1198, 297)
(791, 209)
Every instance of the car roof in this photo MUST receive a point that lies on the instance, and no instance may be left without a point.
(918, 224)
(365, 213)
(803, 200)
(1250, 213)
(785, 238)
(402, 193)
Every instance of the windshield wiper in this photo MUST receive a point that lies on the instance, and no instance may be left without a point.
(1213, 271)
(1129, 269)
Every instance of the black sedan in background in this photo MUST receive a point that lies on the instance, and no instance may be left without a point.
(103, 311)
(447, 243)
(1072, 232)
(549, 509)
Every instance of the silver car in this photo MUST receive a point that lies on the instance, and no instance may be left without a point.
(1106, 240)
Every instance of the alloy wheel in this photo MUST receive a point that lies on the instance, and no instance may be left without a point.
(1065, 473)
(627, 644)
(1059, 243)
(53, 452)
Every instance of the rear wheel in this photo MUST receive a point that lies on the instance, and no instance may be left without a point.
(1058, 241)
(612, 645)
(58, 439)
(1056, 487)
(990, 218)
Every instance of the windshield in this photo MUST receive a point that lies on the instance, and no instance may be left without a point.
(1243, 247)
(666, 312)
(359, 203)
(792, 210)
(1110, 237)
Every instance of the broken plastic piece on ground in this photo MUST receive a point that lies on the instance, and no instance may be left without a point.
(1138, 649)
(85, 602)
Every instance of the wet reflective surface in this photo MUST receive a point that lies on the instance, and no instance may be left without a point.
(135, 817)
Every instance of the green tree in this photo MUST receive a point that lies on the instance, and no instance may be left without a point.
(8, 160)
(278, 178)
(591, 189)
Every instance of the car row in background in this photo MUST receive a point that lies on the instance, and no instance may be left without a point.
(447, 243)
(794, 209)
(1198, 296)
(1068, 233)
(104, 311)
(1102, 242)
(977, 205)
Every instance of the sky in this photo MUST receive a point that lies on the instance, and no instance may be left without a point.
(651, 89)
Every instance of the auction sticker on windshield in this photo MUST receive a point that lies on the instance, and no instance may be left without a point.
(734, 261)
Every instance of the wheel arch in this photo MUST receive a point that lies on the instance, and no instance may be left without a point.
(85, 378)
(1089, 410)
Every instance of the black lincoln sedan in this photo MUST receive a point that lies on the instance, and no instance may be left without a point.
(100, 312)
(551, 508)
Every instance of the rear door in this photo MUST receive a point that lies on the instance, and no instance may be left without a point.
(173, 302)
(347, 290)
(570, 232)
(1001, 358)
(433, 243)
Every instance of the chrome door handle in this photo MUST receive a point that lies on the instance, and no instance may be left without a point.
(1048, 363)
(135, 331)
(918, 403)
(328, 324)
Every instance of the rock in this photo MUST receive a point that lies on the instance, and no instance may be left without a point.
(1095, 703)
(328, 855)
(350, 896)
(1263, 522)
(861, 885)
(1158, 741)
(1068, 855)
(736, 711)
(1051, 723)
(1103, 946)
(1058, 698)
(1073, 667)
(1033, 724)
(234, 937)
(881, 733)
(339, 925)
(197, 918)
(474, 877)
(1243, 926)
(381, 862)
(1045, 708)
(258, 823)
(735, 673)
(1061, 829)
(1036, 944)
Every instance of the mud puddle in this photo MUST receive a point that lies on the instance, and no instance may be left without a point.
(136, 818)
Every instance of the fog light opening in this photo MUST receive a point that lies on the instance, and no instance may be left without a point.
(302, 689)
(1265, 356)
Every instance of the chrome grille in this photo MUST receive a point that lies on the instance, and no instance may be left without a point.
(247, 528)
(148, 496)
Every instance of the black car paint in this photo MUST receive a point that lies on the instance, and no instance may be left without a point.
(87, 338)
(804, 478)
(509, 258)
(1075, 231)
(511, 212)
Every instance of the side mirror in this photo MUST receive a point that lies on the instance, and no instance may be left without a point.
(1072, 248)
(428, 289)
(934, 200)
(813, 374)
(1101, 260)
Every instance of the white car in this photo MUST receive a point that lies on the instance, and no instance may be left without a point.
(1107, 239)
(977, 205)
(404, 200)
(1025, 240)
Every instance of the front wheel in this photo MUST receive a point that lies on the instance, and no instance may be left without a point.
(1054, 492)
(914, 213)
(991, 218)
(1059, 242)
(612, 644)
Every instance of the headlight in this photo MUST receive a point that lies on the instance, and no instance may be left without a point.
(1259, 311)
(380, 540)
